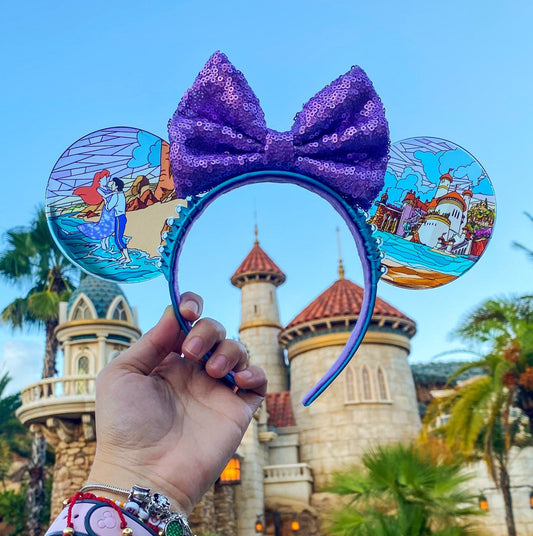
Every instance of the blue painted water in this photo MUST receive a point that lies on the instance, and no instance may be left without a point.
(419, 256)
(89, 255)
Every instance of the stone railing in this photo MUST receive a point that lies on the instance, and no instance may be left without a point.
(293, 482)
(287, 473)
(54, 388)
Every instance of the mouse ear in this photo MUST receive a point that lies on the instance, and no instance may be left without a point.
(107, 201)
(435, 214)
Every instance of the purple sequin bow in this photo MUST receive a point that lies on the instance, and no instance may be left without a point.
(340, 137)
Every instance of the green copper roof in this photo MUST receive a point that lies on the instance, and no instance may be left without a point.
(437, 373)
(100, 292)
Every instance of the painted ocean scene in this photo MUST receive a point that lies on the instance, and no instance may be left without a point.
(105, 263)
(108, 199)
(435, 214)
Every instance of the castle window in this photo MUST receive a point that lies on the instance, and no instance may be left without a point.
(382, 385)
(82, 311)
(82, 370)
(83, 365)
(119, 313)
(349, 385)
(367, 389)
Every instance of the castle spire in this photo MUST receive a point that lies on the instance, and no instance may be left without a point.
(256, 241)
(341, 267)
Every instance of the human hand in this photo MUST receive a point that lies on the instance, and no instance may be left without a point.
(166, 422)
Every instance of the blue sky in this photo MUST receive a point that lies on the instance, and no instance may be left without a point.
(456, 70)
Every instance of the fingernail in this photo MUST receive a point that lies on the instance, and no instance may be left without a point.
(218, 363)
(191, 306)
(194, 346)
(245, 374)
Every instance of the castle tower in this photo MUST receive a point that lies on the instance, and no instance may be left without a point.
(467, 197)
(444, 184)
(94, 327)
(257, 277)
(373, 400)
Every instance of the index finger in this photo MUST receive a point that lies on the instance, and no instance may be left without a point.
(148, 352)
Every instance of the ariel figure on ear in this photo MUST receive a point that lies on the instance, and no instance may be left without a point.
(420, 230)
(94, 195)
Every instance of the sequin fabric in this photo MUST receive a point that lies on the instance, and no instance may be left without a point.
(340, 137)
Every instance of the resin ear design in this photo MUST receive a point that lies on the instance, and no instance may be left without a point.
(100, 223)
(431, 210)
(435, 214)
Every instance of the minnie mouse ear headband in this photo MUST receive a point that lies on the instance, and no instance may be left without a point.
(337, 147)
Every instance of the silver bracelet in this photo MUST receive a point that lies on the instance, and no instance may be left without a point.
(105, 487)
(152, 509)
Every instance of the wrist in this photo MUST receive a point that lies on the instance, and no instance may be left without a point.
(124, 478)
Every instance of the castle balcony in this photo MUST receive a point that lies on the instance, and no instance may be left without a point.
(68, 397)
(288, 483)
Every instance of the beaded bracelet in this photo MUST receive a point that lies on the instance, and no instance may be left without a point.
(151, 509)
(143, 514)
(88, 515)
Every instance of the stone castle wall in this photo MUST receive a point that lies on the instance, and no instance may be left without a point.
(71, 469)
(337, 429)
(493, 522)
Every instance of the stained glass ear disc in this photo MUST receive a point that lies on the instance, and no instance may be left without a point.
(108, 198)
(435, 213)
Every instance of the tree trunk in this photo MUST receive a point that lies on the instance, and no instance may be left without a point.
(35, 493)
(49, 364)
(505, 486)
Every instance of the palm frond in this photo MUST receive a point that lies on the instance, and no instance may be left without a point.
(44, 305)
(17, 314)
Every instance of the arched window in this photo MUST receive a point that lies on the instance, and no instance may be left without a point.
(382, 385)
(349, 385)
(367, 389)
(83, 365)
(119, 313)
(82, 370)
(82, 311)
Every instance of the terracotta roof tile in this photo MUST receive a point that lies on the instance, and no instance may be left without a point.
(279, 409)
(453, 195)
(343, 298)
(258, 261)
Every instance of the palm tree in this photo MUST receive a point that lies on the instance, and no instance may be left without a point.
(33, 261)
(403, 491)
(480, 422)
(503, 329)
(8, 405)
(479, 426)
(14, 436)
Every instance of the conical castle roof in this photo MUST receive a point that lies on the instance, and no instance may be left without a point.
(343, 298)
(339, 306)
(257, 266)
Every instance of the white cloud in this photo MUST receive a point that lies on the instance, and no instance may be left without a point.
(22, 359)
